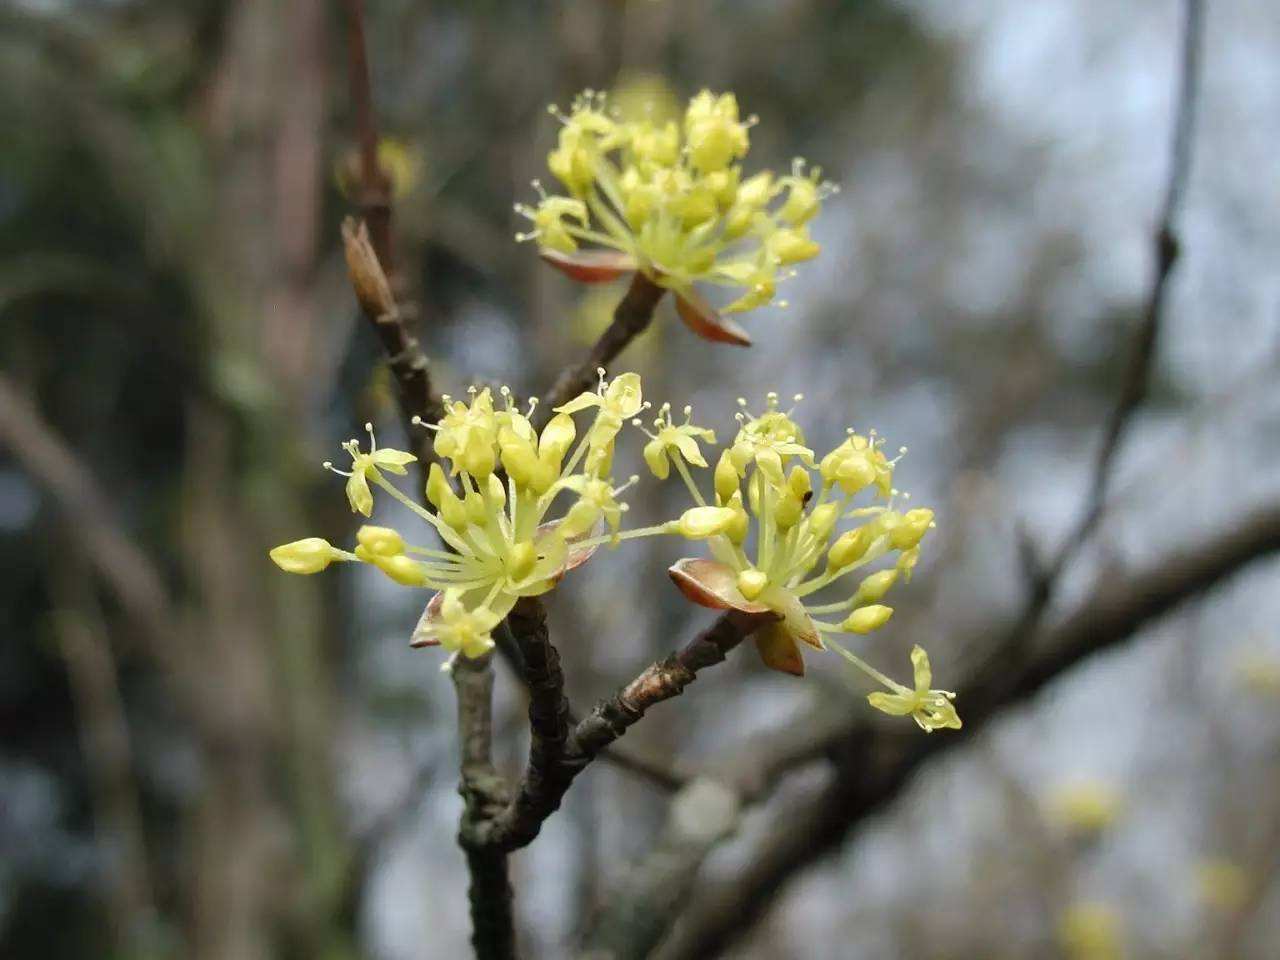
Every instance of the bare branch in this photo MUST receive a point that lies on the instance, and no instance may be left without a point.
(554, 765)
(484, 793)
(619, 754)
(375, 188)
(369, 251)
(1166, 248)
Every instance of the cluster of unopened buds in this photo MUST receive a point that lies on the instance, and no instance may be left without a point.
(519, 508)
(669, 199)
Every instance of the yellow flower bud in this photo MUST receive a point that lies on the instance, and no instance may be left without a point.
(738, 527)
(557, 437)
(543, 476)
(873, 588)
(452, 511)
(854, 473)
(867, 619)
(304, 556)
(495, 492)
(726, 478)
(799, 482)
(912, 527)
(478, 459)
(519, 459)
(382, 541)
(723, 185)
(802, 201)
(698, 523)
(849, 547)
(756, 191)
(823, 520)
(437, 485)
(770, 463)
(402, 569)
(751, 583)
(788, 510)
(477, 510)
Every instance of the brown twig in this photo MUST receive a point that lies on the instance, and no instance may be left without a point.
(660, 774)
(1166, 248)
(407, 362)
(369, 252)
(374, 191)
(631, 318)
(878, 761)
(484, 793)
(554, 764)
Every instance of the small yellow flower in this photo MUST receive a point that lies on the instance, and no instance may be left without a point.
(549, 222)
(769, 440)
(597, 500)
(366, 467)
(931, 709)
(464, 631)
(678, 442)
(616, 401)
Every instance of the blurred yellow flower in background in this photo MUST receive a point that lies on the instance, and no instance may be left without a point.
(401, 162)
(1091, 930)
(1222, 885)
(1084, 806)
(1259, 674)
(645, 96)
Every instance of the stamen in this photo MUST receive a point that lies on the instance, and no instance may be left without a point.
(631, 482)
(328, 465)
(417, 421)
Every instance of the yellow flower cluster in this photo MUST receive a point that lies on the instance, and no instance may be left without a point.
(669, 199)
(773, 525)
(773, 530)
(503, 543)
